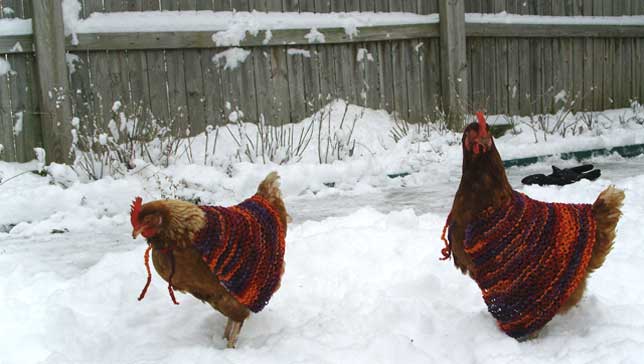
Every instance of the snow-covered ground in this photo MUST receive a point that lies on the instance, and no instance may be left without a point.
(363, 282)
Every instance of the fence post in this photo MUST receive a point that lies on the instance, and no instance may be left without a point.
(453, 61)
(55, 104)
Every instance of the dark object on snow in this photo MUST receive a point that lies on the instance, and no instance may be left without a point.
(562, 177)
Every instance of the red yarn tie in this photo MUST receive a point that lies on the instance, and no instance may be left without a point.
(146, 258)
(170, 289)
(447, 250)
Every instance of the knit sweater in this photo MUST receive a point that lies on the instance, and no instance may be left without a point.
(243, 246)
(529, 257)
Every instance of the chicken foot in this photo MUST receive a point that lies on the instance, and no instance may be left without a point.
(232, 332)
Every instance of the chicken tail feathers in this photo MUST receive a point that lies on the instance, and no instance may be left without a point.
(606, 211)
(269, 188)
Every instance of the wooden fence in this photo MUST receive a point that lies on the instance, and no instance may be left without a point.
(515, 69)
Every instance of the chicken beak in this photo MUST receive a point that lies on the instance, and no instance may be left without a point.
(137, 232)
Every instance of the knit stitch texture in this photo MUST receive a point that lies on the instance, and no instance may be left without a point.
(529, 257)
(243, 246)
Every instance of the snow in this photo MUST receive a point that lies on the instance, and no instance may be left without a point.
(233, 57)
(505, 18)
(299, 52)
(5, 67)
(15, 26)
(236, 24)
(362, 54)
(17, 127)
(17, 47)
(365, 286)
(314, 36)
(235, 116)
(71, 13)
(116, 106)
(363, 282)
(8, 12)
(72, 61)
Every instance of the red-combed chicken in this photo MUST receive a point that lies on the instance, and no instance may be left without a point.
(229, 257)
(530, 259)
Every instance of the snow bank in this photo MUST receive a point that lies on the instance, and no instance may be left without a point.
(367, 287)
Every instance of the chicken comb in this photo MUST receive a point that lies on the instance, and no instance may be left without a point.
(482, 124)
(134, 212)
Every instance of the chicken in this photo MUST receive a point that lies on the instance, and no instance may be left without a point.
(230, 257)
(530, 259)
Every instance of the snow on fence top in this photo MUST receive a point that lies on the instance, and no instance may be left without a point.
(164, 21)
(505, 18)
(15, 27)
(177, 21)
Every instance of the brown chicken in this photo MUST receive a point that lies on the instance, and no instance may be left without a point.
(230, 257)
(530, 259)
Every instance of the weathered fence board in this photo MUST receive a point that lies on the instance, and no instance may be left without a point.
(511, 68)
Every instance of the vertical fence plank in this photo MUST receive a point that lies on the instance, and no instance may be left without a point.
(434, 72)
(213, 90)
(525, 88)
(52, 73)
(17, 84)
(6, 121)
(636, 71)
(372, 75)
(222, 5)
(629, 75)
(401, 105)
(618, 73)
(413, 76)
(454, 60)
(279, 86)
(478, 101)
(311, 69)
(297, 96)
(513, 65)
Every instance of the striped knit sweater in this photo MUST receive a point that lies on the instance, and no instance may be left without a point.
(529, 257)
(243, 246)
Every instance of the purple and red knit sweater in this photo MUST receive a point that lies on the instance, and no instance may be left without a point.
(243, 246)
(529, 257)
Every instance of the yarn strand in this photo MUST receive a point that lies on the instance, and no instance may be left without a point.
(146, 259)
(447, 250)
(170, 288)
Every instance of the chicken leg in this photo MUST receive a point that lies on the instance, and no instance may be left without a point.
(232, 332)
(229, 326)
